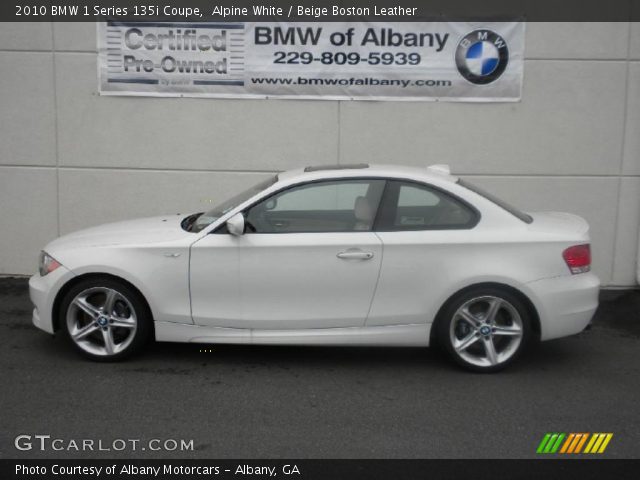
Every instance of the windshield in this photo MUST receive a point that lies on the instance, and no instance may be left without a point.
(501, 203)
(219, 210)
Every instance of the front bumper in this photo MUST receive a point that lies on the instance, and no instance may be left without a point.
(565, 304)
(43, 292)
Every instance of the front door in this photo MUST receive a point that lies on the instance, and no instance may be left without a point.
(308, 259)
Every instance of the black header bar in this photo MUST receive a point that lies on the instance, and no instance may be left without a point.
(319, 10)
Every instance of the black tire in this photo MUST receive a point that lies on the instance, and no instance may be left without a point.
(450, 327)
(126, 301)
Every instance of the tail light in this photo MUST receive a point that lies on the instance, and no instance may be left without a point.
(578, 258)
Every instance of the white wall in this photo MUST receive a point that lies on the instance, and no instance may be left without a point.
(70, 158)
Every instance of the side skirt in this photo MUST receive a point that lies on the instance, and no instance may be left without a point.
(415, 335)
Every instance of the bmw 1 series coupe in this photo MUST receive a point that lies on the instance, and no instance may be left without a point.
(333, 255)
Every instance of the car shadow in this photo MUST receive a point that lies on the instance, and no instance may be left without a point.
(537, 357)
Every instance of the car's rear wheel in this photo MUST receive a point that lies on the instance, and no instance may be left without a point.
(104, 319)
(484, 329)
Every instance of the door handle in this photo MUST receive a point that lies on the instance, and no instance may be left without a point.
(355, 255)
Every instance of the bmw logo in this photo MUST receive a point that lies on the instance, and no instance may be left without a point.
(482, 56)
(485, 330)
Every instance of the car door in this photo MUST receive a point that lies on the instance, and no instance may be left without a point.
(426, 236)
(308, 259)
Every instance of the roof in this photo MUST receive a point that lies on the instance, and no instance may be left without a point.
(348, 166)
(433, 172)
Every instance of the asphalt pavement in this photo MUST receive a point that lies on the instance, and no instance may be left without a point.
(317, 402)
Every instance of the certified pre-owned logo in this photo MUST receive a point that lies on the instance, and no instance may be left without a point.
(482, 56)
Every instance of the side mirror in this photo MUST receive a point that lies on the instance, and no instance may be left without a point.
(235, 225)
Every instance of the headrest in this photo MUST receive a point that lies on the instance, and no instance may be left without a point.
(363, 210)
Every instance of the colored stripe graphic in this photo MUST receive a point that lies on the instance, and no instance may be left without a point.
(577, 439)
(543, 443)
(594, 437)
(598, 442)
(550, 443)
(567, 442)
(581, 443)
(605, 443)
(573, 443)
(556, 445)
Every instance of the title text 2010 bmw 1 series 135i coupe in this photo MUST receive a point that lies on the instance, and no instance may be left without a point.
(343, 255)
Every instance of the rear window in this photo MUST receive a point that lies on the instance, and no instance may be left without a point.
(413, 206)
(501, 203)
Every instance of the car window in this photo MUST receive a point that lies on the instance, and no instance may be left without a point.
(501, 203)
(414, 206)
(414, 196)
(204, 220)
(329, 206)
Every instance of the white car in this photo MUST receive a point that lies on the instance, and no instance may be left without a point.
(342, 255)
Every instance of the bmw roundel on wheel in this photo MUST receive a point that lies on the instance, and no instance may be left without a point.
(344, 255)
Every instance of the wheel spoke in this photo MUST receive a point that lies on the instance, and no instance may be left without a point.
(82, 332)
(123, 322)
(511, 331)
(110, 301)
(490, 350)
(86, 307)
(468, 317)
(109, 343)
(467, 342)
(494, 306)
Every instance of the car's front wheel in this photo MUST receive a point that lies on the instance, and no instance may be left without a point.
(104, 319)
(484, 329)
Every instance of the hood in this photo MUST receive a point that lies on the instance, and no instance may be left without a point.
(140, 231)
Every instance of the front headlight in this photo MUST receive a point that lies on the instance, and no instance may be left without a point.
(47, 264)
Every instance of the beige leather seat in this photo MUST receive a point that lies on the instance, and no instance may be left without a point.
(364, 214)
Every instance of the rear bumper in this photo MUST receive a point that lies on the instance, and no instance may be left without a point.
(565, 304)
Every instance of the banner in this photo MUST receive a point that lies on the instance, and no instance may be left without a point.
(441, 61)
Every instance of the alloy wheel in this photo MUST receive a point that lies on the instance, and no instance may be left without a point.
(486, 331)
(101, 321)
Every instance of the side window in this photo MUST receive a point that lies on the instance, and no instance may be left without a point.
(413, 206)
(331, 206)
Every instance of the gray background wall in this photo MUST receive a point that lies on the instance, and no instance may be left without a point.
(70, 158)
